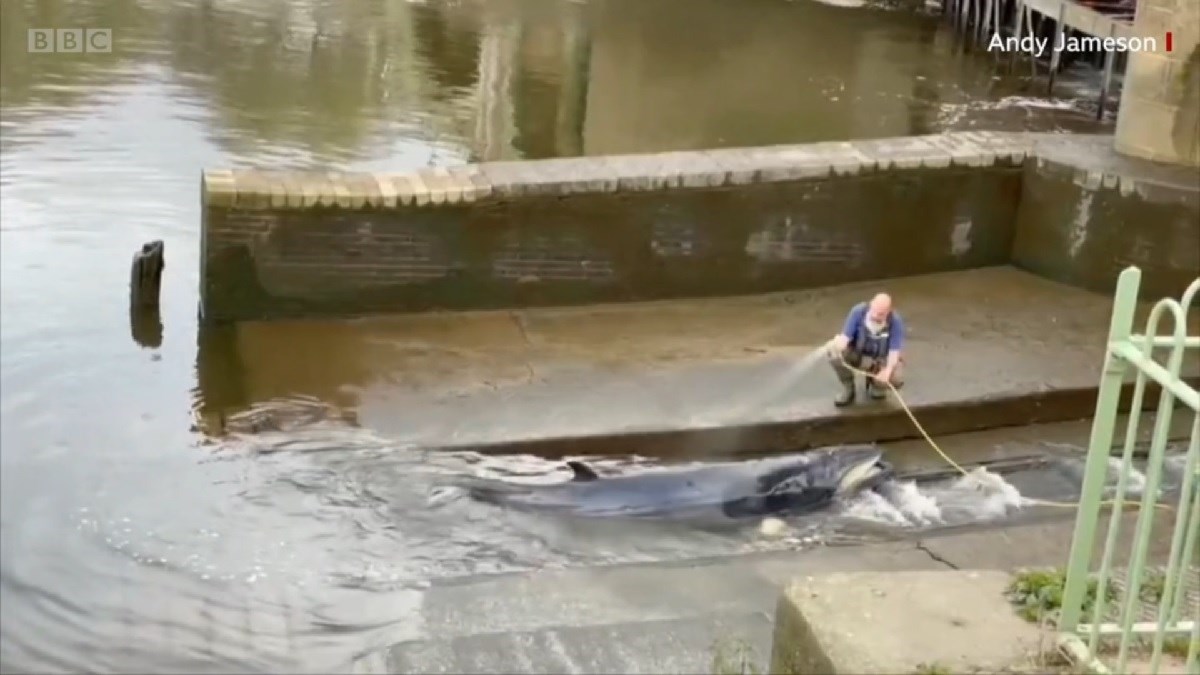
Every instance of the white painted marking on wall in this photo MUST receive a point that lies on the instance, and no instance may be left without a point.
(1078, 232)
(960, 236)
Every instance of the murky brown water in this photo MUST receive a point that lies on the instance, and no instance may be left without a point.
(127, 544)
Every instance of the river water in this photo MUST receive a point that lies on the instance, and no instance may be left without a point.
(132, 543)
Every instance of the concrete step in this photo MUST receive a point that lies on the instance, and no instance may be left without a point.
(665, 646)
(664, 617)
(652, 618)
(696, 379)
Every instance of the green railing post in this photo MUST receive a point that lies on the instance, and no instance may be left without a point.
(1103, 422)
(1131, 351)
(1154, 470)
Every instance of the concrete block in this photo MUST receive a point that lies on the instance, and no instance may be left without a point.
(438, 186)
(364, 190)
(462, 178)
(568, 175)
(387, 190)
(741, 166)
(565, 176)
(293, 188)
(218, 187)
(686, 169)
(903, 153)
(310, 192)
(895, 622)
(646, 172)
(322, 188)
(406, 192)
(673, 646)
(341, 191)
(507, 178)
(590, 596)
(823, 159)
(587, 174)
(420, 190)
(483, 187)
(252, 191)
(798, 162)
(961, 151)
(279, 195)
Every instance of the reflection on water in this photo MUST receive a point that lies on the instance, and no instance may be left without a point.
(131, 543)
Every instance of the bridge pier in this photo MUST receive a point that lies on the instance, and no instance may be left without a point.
(1159, 117)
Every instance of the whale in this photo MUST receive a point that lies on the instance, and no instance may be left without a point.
(777, 486)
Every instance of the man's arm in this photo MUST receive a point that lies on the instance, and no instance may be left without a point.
(853, 319)
(895, 341)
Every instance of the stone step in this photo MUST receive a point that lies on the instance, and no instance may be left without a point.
(662, 646)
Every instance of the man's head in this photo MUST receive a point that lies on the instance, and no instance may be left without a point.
(879, 307)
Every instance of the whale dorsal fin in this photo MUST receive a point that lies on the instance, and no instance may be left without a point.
(582, 471)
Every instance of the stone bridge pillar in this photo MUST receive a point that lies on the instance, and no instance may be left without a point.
(1159, 117)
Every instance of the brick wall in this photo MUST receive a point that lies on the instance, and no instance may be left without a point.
(615, 228)
(1083, 226)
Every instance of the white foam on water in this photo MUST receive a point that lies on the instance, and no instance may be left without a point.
(1135, 480)
(872, 506)
(918, 507)
(997, 498)
(442, 495)
(979, 496)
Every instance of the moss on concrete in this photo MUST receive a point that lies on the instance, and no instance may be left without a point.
(734, 657)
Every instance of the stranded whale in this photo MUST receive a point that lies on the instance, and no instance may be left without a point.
(787, 485)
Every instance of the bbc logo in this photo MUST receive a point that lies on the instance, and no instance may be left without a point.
(70, 40)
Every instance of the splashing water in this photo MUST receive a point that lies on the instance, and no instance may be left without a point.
(1135, 480)
(876, 507)
(979, 496)
(918, 508)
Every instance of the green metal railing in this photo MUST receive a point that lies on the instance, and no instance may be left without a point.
(1125, 350)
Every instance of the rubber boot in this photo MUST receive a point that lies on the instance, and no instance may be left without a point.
(847, 396)
(877, 391)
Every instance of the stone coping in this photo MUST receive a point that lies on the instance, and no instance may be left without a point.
(496, 181)
(1094, 163)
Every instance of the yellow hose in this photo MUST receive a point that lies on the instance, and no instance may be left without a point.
(933, 444)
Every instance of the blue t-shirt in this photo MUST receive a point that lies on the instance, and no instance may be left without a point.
(854, 324)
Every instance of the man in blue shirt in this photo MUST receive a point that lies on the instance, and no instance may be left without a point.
(872, 340)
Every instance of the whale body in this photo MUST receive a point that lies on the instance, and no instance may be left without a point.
(777, 486)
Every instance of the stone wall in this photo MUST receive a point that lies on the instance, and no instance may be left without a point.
(691, 224)
(605, 228)
(1086, 214)
(1159, 118)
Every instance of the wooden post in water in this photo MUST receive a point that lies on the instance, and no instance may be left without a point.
(1056, 56)
(145, 284)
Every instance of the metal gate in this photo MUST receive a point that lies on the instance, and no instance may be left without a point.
(1177, 615)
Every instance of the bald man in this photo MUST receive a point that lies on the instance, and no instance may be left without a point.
(872, 339)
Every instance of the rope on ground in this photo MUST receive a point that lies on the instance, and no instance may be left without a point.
(945, 456)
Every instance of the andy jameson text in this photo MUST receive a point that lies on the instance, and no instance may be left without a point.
(1039, 46)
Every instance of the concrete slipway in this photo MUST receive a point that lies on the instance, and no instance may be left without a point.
(694, 379)
(669, 617)
(672, 617)
(701, 380)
